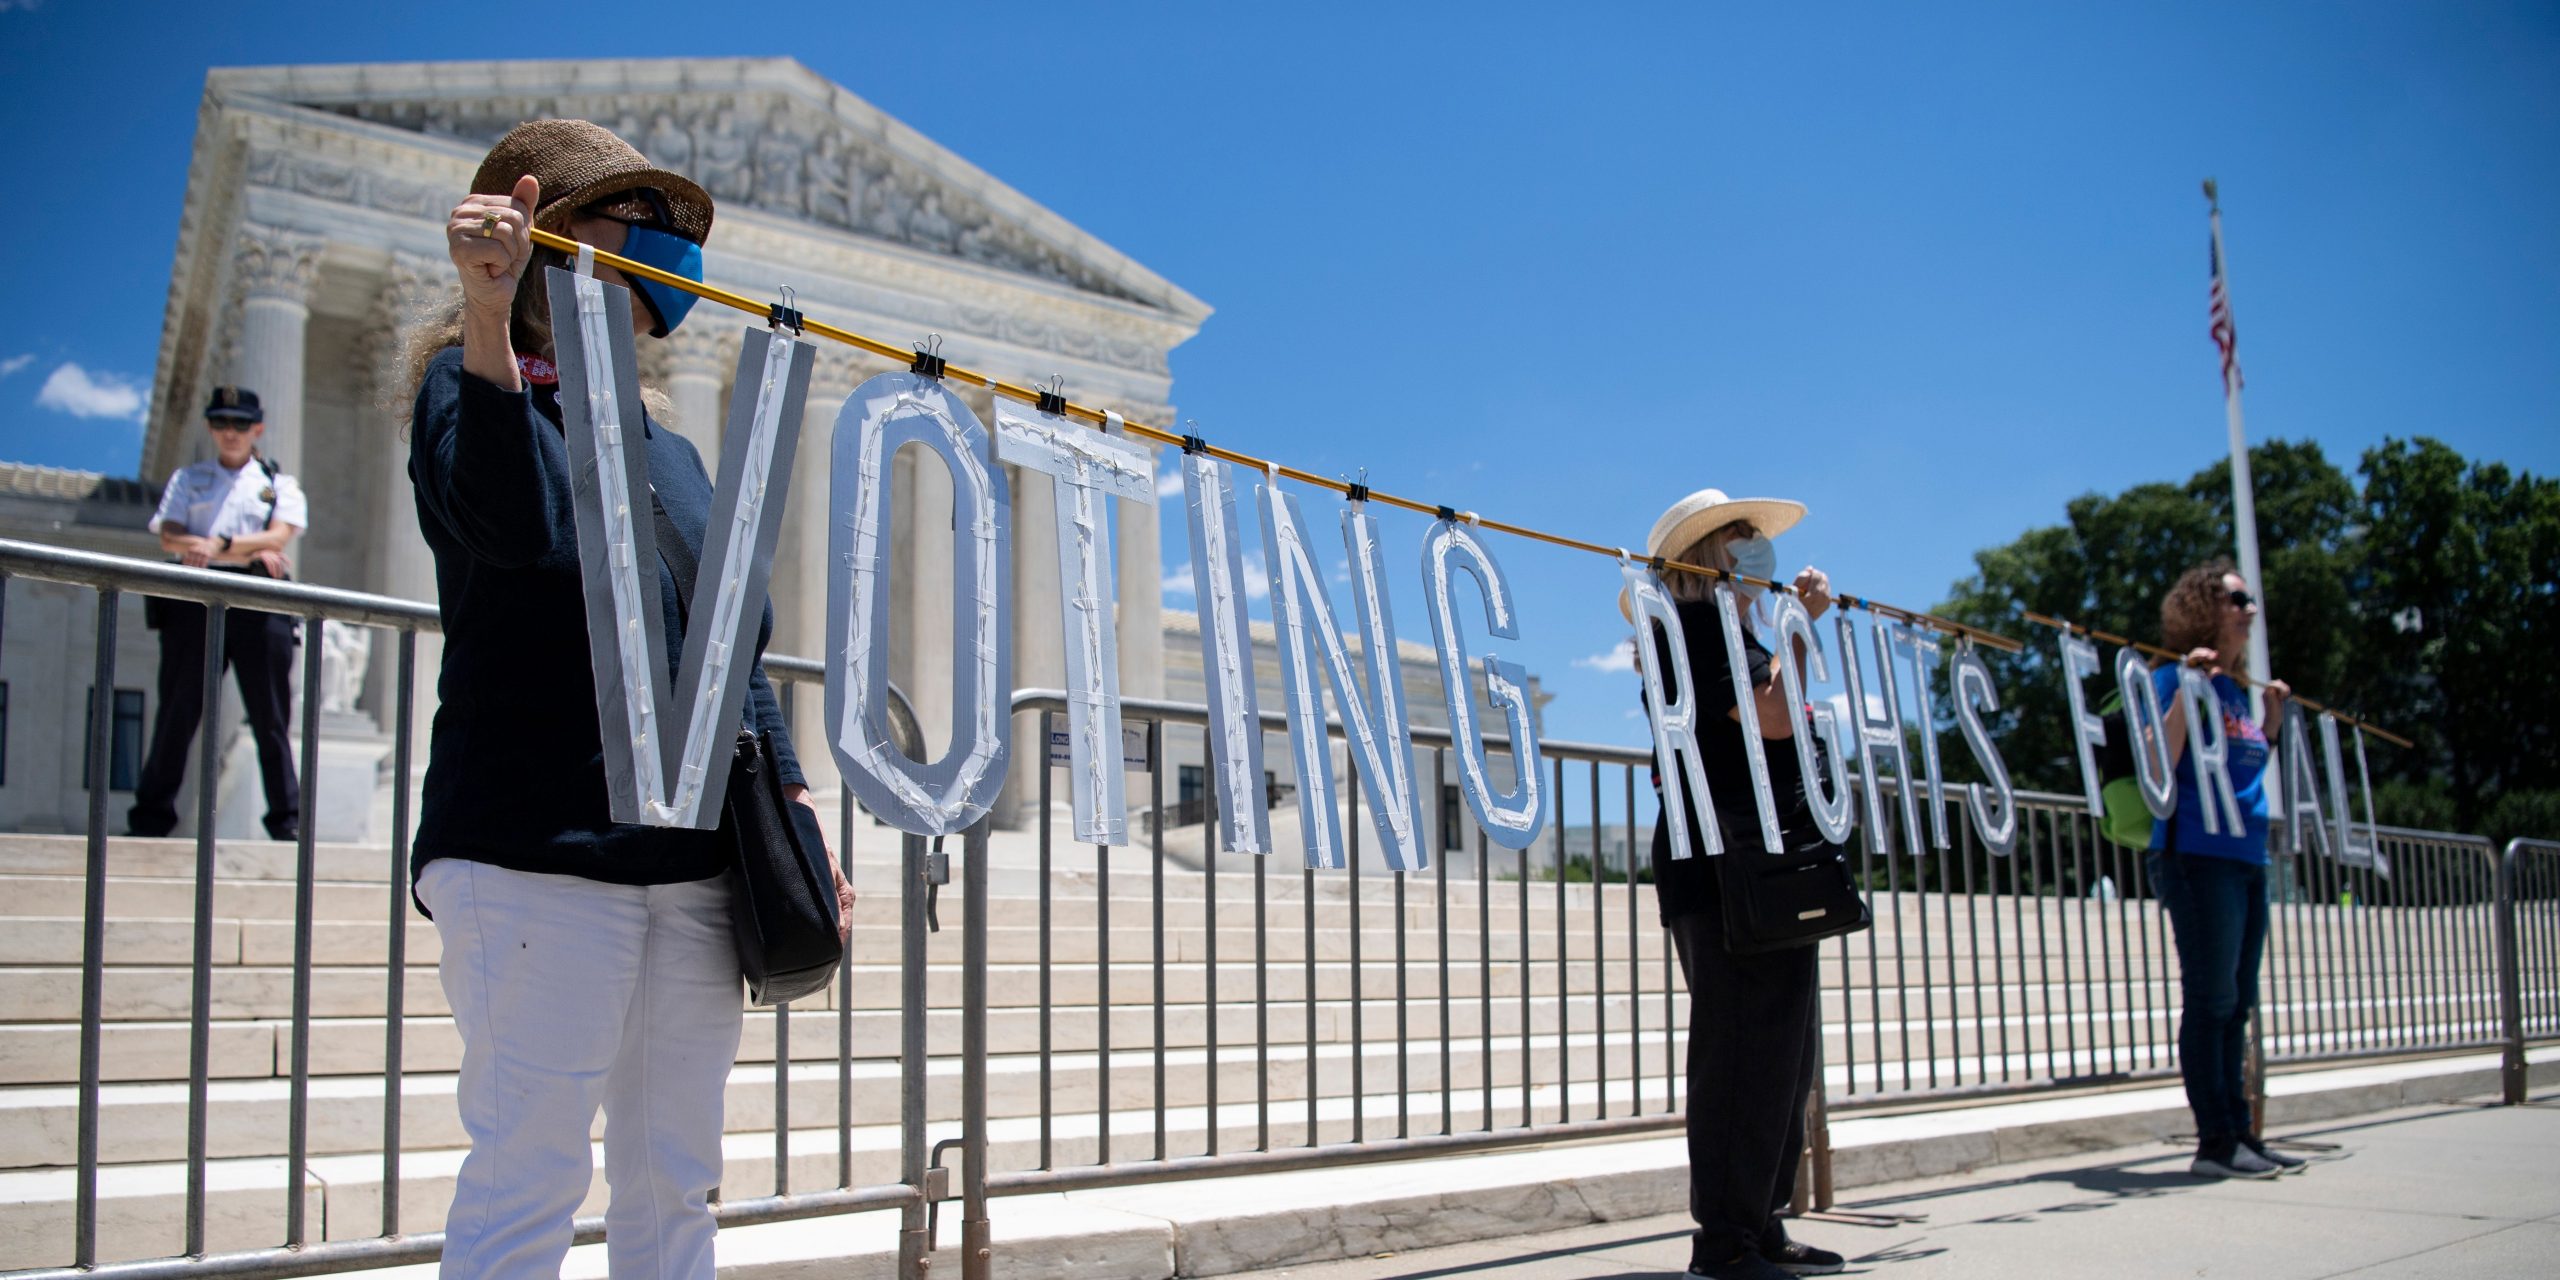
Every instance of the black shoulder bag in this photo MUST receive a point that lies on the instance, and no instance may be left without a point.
(782, 891)
(1791, 899)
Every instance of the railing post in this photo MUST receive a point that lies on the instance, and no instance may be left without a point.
(93, 931)
(914, 1233)
(977, 1254)
(2511, 1068)
(1820, 1137)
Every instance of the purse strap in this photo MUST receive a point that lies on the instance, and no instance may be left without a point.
(679, 558)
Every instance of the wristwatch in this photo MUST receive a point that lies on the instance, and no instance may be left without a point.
(226, 544)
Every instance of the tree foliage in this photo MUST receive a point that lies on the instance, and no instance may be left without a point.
(2425, 599)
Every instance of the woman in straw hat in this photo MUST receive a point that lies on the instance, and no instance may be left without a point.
(1751, 1016)
(588, 964)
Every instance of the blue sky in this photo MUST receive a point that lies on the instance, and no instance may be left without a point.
(1932, 270)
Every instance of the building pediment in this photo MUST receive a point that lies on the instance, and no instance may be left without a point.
(761, 133)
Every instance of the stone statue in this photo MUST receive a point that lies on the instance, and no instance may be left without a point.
(929, 226)
(669, 148)
(777, 165)
(831, 179)
(720, 156)
(344, 652)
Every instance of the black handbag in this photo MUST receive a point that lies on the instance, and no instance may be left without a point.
(782, 890)
(1791, 899)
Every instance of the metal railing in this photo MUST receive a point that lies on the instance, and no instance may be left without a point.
(299, 1249)
(1249, 1015)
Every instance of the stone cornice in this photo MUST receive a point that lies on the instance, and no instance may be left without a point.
(370, 185)
(763, 133)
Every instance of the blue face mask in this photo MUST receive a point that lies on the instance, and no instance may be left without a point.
(1755, 557)
(674, 255)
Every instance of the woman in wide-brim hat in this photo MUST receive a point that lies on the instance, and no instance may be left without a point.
(588, 964)
(1752, 1017)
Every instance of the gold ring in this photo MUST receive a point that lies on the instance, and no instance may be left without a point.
(489, 225)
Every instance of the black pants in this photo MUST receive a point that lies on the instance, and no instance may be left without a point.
(1751, 1065)
(258, 649)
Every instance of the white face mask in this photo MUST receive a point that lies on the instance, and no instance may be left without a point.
(1755, 557)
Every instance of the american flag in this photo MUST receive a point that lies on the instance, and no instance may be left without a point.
(2225, 336)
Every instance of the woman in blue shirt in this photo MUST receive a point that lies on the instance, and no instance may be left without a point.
(2209, 873)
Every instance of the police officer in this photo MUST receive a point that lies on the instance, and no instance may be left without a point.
(235, 513)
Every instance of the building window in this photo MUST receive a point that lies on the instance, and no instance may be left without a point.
(1270, 790)
(124, 745)
(1453, 822)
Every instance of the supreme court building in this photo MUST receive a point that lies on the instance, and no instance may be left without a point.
(312, 237)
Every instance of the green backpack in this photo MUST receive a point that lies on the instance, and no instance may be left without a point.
(2126, 820)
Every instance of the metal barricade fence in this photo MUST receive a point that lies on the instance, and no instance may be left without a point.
(215, 1179)
(1230, 1015)
(2528, 955)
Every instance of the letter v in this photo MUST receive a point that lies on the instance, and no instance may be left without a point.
(666, 760)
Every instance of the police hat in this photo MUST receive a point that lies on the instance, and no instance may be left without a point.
(236, 404)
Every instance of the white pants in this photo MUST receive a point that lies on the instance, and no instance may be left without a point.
(570, 994)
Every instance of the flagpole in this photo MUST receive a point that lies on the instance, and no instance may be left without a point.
(2244, 506)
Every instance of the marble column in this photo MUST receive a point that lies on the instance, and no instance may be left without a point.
(417, 287)
(700, 358)
(275, 270)
(1139, 568)
(926, 569)
(1039, 650)
(800, 565)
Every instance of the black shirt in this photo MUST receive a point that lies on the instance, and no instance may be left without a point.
(1685, 886)
(515, 769)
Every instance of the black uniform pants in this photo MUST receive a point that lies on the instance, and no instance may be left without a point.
(258, 649)
(1751, 1065)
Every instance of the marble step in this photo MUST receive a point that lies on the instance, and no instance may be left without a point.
(148, 1123)
(141, 1210)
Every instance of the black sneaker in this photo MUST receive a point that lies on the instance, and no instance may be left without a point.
(1797, 1258)
(2283, 1163)
(1747, 1265)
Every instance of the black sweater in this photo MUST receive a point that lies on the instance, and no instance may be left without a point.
(515, 770)
(1681, 887)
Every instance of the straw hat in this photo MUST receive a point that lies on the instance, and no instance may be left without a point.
(1706, 511)
(581, 162)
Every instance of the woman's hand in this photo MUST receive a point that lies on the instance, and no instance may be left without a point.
(196, 553)
(844, 889)
(491, 239)
(1813, 586)
(2278, 693)
(2205, 658)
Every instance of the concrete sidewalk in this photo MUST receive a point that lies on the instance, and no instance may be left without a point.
(2463, 1189)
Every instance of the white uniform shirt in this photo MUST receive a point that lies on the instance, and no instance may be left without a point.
(212, 501)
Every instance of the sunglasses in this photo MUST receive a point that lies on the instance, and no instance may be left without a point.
(2242, 599)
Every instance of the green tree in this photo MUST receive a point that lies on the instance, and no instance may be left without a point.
(2426, 600)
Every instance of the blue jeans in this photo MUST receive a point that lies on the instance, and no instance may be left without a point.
(2218, 914)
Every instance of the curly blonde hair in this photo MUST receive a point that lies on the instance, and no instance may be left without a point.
(2191, 614)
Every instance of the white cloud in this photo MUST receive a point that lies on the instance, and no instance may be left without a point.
(15, 363)
(1179, 580)
(1169, 485)
(1622, 657)
(73, 390)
